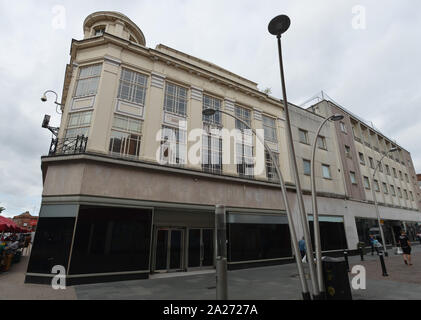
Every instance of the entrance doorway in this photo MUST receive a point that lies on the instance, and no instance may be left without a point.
(200, 248)
(169, 252)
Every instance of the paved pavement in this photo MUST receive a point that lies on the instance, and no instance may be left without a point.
(267, 283)
(12, 286)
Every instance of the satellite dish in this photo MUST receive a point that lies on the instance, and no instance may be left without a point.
(279, 25)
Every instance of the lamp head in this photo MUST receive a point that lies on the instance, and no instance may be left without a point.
(208, 112)
(279, 25)
(336, 117)
(44, 98)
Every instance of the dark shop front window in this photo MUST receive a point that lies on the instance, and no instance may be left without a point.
(258, 241)
(51, 244)
(367, 227)
(332, 235)
(111, 239)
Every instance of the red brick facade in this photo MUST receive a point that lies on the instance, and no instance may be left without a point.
(26, 220)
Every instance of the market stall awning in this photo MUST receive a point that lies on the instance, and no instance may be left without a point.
(7, 225)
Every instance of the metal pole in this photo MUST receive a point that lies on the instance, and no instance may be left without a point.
(376, 204)
(296, 250)
(303, 215)
(221, 253)
(317, 242)
(384, 271)
(346, 260)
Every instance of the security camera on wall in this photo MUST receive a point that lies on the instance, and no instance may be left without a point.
(46, 121)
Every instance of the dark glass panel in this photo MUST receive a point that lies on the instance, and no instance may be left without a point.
(258, 241)
(161, 250)
(111, 239)
(51, 244)
(175, 249)
(207, 236)
(332, 235)
(194, 248)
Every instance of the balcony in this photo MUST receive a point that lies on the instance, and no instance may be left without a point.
(72, 145)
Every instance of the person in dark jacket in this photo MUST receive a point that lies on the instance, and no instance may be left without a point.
(302, 247)
(405, 244)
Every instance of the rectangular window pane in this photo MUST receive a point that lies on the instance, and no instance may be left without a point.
(175, 99)
(125, 137)
(269, 127)
(132, 87)
(326, 171)
(173, 145)
(211, 103)
(307, 167)
(87, 83)
(244, 115)
(271, 173)
(303, 136)
(366, 183)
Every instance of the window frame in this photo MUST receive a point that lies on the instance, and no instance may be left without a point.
(367, 184)
(176, 98)
(362, 161)
(328, 170)
(353, 176)
(89, 77)
(305, 136)
(324, 143)
(274, 135)
(215, 119)
(271, 173)
(309, 167)
(79, 125)
(209, 166)
(180, 145)
(133, 86)
(125, 142)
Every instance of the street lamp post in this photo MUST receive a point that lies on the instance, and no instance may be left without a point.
(317, 242)
(277, 27)
(221, 253)
(375, 199)
(297, 254)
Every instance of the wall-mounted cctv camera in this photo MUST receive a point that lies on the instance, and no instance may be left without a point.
(46, 121)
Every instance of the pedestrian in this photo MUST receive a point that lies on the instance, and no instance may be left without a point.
(405, 244)
(302, 246)
(372, 244)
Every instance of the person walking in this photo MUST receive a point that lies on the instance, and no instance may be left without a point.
(371, 239)
(405, 244)
(302, 247)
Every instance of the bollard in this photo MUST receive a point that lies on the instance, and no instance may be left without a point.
(383, 264)
(346, 260)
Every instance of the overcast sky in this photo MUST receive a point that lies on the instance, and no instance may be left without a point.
(366, 55)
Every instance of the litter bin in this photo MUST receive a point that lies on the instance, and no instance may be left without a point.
(336, 279)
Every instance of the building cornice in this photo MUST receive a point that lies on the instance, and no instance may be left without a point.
(173, 61)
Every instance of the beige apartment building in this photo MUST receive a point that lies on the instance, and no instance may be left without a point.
(123, 196)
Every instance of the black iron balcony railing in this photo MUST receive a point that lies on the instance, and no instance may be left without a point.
(68, 145)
